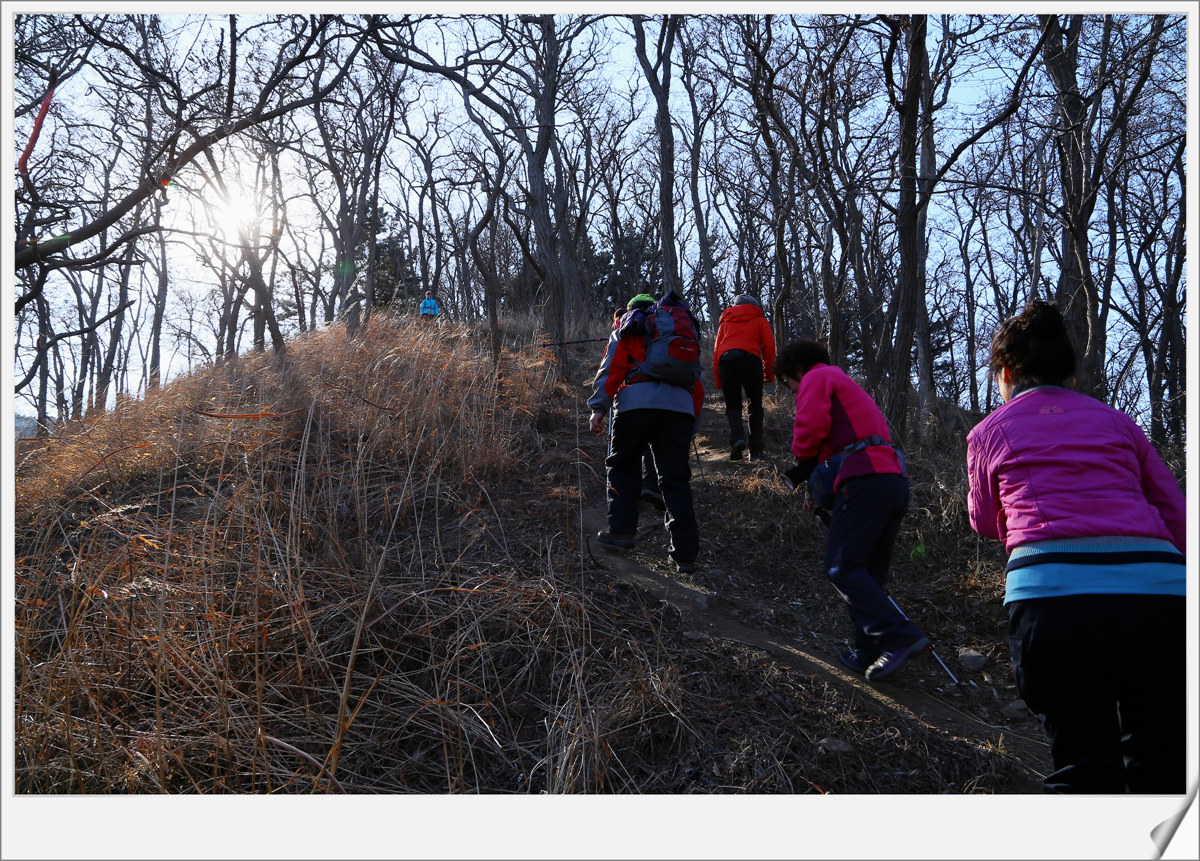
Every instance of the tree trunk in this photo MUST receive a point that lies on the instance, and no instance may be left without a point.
(926, 390)
(658, 75)
(910, 288)
(1077, 289)
(154, 371)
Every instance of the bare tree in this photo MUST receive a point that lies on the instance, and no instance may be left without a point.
(194, 115)
(515, 74)
(355, 125)
(658, 76)
(1084, 147)
(705, 103)
(916, 188)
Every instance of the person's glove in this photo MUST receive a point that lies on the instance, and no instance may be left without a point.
(798, 474)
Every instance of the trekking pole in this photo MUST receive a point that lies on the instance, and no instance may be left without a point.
(565, 343)
(699, 462)
(928, 648)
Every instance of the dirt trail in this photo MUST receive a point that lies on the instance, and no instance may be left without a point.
(704, 615)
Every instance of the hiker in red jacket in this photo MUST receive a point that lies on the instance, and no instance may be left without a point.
(743, 358)
(872, 494)
(650, 492)
(646, 413)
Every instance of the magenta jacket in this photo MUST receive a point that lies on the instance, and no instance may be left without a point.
(833, 411)
(1052, 463)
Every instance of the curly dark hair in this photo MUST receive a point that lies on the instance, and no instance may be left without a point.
(800, 355)
(1034, 346)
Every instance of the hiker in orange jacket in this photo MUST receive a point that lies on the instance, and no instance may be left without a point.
(744, 358)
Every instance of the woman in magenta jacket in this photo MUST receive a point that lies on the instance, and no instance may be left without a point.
(1093, 523)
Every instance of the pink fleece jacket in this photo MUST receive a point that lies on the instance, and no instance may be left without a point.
(1052, 463)
(833, 411)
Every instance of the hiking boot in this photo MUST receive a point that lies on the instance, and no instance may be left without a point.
(739, 449)
(890, 661)
(616, 539)
(684, 567)
(758, 455)
(654, 498)
(856, 660)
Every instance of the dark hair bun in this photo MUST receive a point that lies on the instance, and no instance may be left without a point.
(1043, 320)
(1034, 346)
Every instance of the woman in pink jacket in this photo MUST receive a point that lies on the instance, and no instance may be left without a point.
(1093, 522)
(833, 414)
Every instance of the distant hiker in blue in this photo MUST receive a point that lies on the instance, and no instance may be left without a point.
(429, 308)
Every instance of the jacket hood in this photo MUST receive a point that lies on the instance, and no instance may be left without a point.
(740, 313)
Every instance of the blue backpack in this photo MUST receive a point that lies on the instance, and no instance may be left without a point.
(821, 479)
(672, 345)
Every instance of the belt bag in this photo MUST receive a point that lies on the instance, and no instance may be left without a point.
(822, 478)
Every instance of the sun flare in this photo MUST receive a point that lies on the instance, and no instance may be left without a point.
(237, 212)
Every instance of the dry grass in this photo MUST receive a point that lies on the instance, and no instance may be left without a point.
(358, 568)
(291, 573)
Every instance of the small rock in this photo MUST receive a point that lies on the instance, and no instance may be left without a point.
(834, 745)
(694, 635)
(716, 572)
(1016, 709)
(972, 660)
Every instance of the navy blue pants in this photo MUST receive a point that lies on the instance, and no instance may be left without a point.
(858, 555)
(1106, 676)
(743, 372)
(669, 437)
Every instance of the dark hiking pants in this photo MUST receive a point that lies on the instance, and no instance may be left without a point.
(1106, 675)
(669, 436)
(858, 554)
(743, 372)
(649, 473)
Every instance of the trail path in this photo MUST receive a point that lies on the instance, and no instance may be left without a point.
(703, 613)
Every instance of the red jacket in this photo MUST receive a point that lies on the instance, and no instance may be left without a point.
(745, 327)
(833, 411)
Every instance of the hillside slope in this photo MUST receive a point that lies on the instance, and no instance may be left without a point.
(365, 566)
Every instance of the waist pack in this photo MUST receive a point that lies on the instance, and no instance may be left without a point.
(672, 343)
(822, 478)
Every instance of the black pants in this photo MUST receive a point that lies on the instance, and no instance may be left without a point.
(743, 372)
(858, 555)
(669, 436)
(649, 473)
(1105, 674)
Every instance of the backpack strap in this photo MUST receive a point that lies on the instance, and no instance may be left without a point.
(868, 442)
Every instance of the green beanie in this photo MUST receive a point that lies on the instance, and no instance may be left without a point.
(641, 298)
